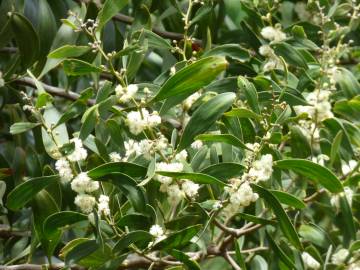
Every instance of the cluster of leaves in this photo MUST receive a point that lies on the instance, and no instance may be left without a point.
(60, 64)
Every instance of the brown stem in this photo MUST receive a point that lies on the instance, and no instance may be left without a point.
(231, 261)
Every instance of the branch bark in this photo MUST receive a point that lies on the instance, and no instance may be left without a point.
(56, 91)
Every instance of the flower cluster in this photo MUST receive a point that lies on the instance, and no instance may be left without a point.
(189, 101)
(319, 107)
(273, 34)
(65, 172)
(103, 205)
(145, 147)
(241, 195)
(82, 183)
(125, 94)
(85, 202)
(79, 153)
(340, 256)
(176, 190)
(309, 261)
(138, 121)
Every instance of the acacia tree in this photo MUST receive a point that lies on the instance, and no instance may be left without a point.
(215, 134)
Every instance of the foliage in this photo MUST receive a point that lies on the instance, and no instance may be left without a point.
(215, 134)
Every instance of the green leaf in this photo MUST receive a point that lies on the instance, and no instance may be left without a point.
(204, 117)
(26, 39)
(127, 168)
(46, 27)
(255, 219)
(155, 41)
(185, 259)
(132, 238)
(223, 138)
(195, 177)
(26, 191)
(300, 146)
(191, 78)
(81, 251)
(315, 235)
(44, 205)
(243, 113)
(109, 10)
(134, 221)
(22, 127)
(68, 51)
(233, 51)
(335, 146)
(290, 54)
(348, 82)
(75, 109)
(65, 36)
(288, 199)
(59, 134)
(277, 250)
(250, 93)
(130, 189)
(127, 51)
(355, 246)
(88, 121)
(75, 67)
(61, 219)
(224, 171)
(177, 239)
(347, 219)
(313, 171)
(285, 224)
(179, 223)
(239, 258)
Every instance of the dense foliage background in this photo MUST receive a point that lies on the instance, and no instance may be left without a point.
(214, 134)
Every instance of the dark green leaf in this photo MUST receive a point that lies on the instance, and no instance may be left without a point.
(131, 238)
(81, 251)
(290, 54)
(204, 117)
(277, 250)
(288, 199)
(185, 259)
(88, 122)
(26, 191)
(250, 93)
(300, 146)
(58, 220)
(26, 38)
(178, 239)
(109, 10)
(127, 168)
(255, 219)
(224, 171)
(313, 171)
(285, 224)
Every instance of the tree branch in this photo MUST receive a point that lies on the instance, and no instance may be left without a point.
(6, 232)
(56, 91)
(28, 266)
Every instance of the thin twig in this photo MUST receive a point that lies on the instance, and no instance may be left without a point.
(231, 261)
